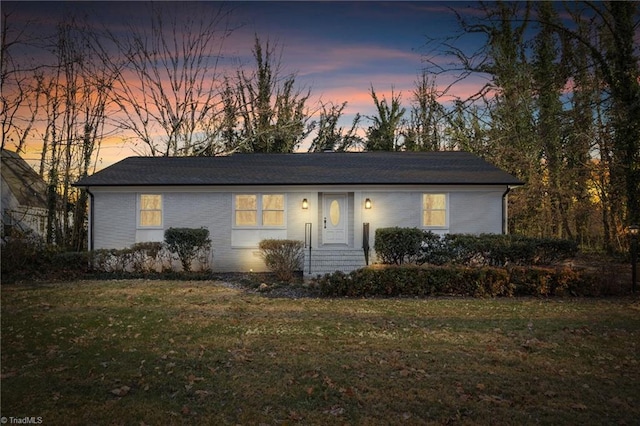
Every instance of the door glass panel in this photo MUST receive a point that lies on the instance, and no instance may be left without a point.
(334, 212)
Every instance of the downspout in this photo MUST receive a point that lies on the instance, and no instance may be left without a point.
(91, 216)
(505, 212)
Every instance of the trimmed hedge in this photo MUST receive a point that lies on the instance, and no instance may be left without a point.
(396, 246)
(500, 250)
(139, 258)
(422, 281)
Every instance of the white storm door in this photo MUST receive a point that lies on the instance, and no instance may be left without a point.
(334, 223)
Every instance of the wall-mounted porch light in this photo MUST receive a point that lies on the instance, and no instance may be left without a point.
(367, 203)
(305, 204)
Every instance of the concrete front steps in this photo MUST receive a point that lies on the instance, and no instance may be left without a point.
(330, 260)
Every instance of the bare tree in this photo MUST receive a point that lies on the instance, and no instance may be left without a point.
(561, 110)
(75, 97)
(20, 83)
(168, 90)
(608, 93)
(331, 137)
(425, 127)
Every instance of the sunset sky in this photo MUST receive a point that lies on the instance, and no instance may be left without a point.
(337, 49)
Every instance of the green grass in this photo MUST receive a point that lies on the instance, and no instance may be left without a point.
(159, 352)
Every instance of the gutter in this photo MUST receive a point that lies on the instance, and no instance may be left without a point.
(505, 212)
(299, 184)
(91, 220)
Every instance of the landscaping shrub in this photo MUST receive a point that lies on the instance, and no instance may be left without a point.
(106, 260)
(71, 262)
(398, 245)
(23, 255)
(283, 257)
(189, 244)
(395, 246)
(433, 250)
(549, 250)
(502, 250)
(149, 257)
(139, 258)
(431, 280)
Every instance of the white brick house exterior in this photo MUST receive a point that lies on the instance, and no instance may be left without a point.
(323, 199)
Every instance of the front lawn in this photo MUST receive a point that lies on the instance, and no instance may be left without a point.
(167, 352)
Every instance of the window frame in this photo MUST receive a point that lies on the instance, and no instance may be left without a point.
(260, 211)
(236, 210)
(446, 209)
(139, 210)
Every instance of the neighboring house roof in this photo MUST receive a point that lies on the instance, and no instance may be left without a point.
(327, 168)
(23, 182)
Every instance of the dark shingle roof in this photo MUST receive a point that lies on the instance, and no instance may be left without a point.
(329, 168)
(23, 182)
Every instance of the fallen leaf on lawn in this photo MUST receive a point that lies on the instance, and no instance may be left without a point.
(313, 374)
(202, 393)
(192, 379)
(336, 410)
(616, 401)
(480, 386)
(121, 391)
(185, 410)
(327, 381)
(347, 391)
(295, 416)
(494, 399)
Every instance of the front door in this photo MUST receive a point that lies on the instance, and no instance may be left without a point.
(334, 227)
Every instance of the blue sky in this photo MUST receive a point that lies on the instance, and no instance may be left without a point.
(342, 48)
